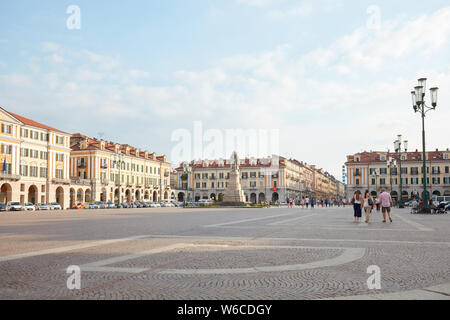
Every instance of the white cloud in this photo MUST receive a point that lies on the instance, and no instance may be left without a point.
(257, 3)
(17, 80)
(369, 49)
(50, 47)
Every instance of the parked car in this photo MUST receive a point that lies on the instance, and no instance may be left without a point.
(408, 203)
(43, 206)
(55, 206)
(124, 205)
(93, 205)
(78, 206)
(2, 207)
(101, 205)
(111, 205)
(14, 206)
(155, 205)
(29, 207)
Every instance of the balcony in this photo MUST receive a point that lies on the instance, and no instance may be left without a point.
(81, 164)
(104, 181)
(81, 182)
(9, 176)
(60, 181)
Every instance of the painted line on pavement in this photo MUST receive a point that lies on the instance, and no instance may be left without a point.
(290, 220)
(249, 220)
(439, 292)
(67, 248)
(6, 234)
(349, 255)
(359, 228)
(105, 262)
(419, 226)
(168, 236)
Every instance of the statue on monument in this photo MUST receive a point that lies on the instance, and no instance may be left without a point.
(234, 193)
(235, 165)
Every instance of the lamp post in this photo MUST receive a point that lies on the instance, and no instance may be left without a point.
(398, 150)
(375, 175)
(185, 177)
(419, 105)
(391, 163)
(118, 161)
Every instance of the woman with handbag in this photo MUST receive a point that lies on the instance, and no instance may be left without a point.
(368, 204)
(357, 205)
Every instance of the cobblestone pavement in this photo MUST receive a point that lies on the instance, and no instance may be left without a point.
(175, 253)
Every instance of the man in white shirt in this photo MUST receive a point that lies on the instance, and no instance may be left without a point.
(386, 204)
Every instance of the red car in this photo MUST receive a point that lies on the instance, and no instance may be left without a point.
(78, 206)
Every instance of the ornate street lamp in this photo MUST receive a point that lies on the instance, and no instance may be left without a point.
(375, 175)
(185, 177)
(118, 162)
(398, 150)
(391, 163)
(419, 105)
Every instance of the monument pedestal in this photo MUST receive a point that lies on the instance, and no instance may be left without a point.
(234, 192)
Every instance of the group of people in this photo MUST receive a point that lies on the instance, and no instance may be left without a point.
(368, 203)
(307, 202)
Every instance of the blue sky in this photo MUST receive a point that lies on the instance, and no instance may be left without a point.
(321, 72)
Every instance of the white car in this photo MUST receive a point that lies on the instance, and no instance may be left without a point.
(43, 206)
(110, 205)
(29, 207)
(155, 205)
(93, 205)
(14, 206)
(55, 206)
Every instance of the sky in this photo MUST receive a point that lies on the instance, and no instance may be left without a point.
(330, 77)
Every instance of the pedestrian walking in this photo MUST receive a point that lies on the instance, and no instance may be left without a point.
(312, 203)
(307, 202)
(357, 203)
(377, 203)
(368, 204)
(386, 204)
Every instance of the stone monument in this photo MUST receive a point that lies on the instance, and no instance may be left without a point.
(234, 193)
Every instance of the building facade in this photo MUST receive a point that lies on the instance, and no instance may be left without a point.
(98, 169)
(35, 161)
(369, 171)
(273, 179)
(41, 164)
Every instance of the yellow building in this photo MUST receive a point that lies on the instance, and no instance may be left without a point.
(272, 179)
(369, 171)
(96, 174)
(34, 161)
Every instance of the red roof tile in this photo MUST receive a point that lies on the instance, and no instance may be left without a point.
(33, 123)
